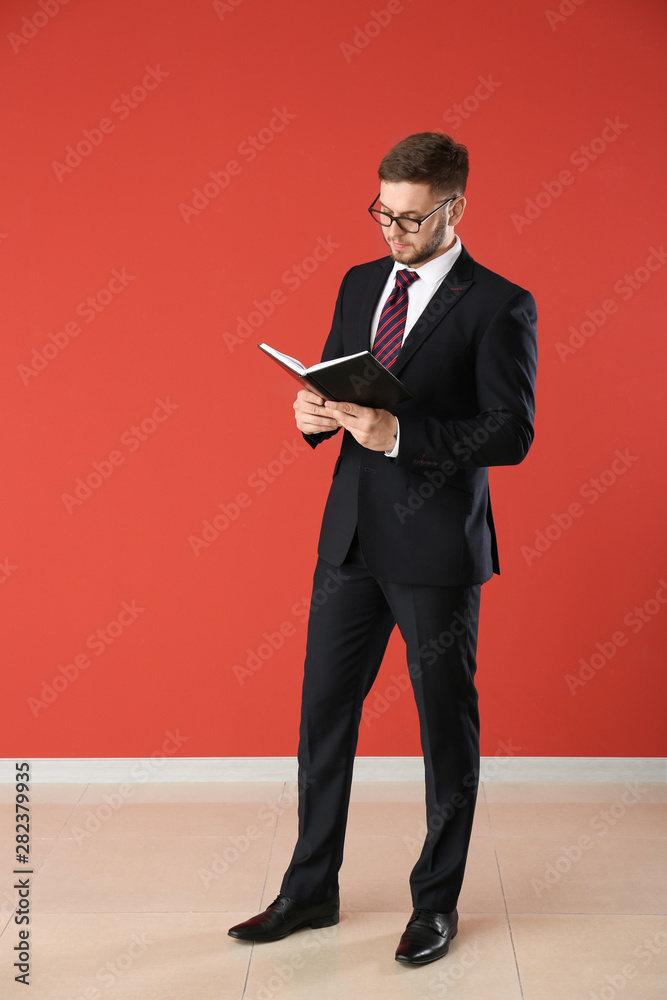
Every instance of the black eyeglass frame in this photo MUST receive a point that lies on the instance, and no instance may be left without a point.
(399, 219)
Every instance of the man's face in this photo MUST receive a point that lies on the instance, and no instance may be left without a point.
(403, 198)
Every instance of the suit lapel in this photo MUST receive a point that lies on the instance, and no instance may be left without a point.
(372, 292)
(452, 289)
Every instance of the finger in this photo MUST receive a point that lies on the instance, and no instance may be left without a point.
(308, 429)
(310, 411)
(309, 397)
(357, 423)
(309, 404)
(349, 408)
(317, 423)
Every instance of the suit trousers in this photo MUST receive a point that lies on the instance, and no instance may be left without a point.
(352, 615)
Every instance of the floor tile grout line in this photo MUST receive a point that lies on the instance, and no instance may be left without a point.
(247, 972)
(58, 835)
(273, 840)
(487, 811)
(75, 806)
(266, 879)
(509, 922)
(352, 910)
(350, 836)
(7, 923)
(54, 841)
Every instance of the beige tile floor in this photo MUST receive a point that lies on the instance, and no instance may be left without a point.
(565, 896)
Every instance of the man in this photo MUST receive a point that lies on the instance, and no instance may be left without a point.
(409, 531)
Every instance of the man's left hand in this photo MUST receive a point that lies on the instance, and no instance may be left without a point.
(373, 429)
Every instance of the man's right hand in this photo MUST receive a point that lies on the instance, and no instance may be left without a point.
(311, 415)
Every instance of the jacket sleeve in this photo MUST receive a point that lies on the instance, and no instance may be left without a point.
(502, 430)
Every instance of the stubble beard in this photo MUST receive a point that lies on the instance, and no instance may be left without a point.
(424, 253)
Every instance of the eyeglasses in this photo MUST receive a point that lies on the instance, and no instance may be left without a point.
(407, 225)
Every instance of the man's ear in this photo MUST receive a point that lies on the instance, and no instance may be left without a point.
(457, 210)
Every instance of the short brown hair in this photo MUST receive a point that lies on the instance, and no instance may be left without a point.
(428, 157)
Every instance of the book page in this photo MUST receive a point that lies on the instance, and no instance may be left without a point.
(336, 361)
(285, 358)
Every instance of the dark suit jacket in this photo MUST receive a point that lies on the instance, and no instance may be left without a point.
(425, 516)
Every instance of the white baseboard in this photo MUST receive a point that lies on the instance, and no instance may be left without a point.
(211, 769)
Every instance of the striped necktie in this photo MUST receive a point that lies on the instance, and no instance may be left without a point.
(391, 327)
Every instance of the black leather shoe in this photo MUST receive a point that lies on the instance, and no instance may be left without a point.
(285, 915)
(427, 936)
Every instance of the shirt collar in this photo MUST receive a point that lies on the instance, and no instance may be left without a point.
(434, 270)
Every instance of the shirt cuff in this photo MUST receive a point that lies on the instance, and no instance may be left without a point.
(394, 451)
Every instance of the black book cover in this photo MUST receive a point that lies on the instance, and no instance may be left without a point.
(358, 378)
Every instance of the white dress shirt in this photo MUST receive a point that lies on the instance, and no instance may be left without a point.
(420, 293)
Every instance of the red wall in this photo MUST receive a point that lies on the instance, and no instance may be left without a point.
(125, 302)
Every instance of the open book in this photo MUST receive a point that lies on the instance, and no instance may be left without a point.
(357, 378)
